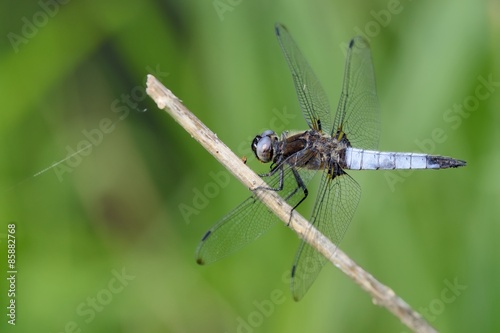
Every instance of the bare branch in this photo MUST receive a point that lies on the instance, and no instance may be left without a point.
(380, 294)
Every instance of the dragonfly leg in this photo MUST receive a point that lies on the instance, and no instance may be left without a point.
(300, 185)
(272, 172)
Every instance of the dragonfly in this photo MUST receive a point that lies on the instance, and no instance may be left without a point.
(348, 143)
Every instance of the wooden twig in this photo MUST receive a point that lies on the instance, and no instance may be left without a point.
(380, 294)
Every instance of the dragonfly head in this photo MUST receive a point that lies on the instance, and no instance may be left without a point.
(263, 146)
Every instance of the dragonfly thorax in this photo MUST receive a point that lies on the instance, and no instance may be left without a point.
(263, 146)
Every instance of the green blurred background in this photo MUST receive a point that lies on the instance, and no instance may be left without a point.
(77, 70)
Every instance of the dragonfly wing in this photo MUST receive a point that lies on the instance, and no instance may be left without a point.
(312, 98)
(251, 219)
(333, 211)
(245, 223)
(358, 112)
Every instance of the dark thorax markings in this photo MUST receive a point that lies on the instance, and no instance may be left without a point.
(313, 150)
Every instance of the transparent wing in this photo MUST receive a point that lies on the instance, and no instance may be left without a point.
(245, 223)
(358, 112)
(333, 211)
(312, 98)
(251, 219)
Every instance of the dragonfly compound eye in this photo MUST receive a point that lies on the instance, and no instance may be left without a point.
(263, 148)
(255, 142)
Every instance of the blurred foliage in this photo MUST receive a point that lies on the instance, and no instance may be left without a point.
(72, 79)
